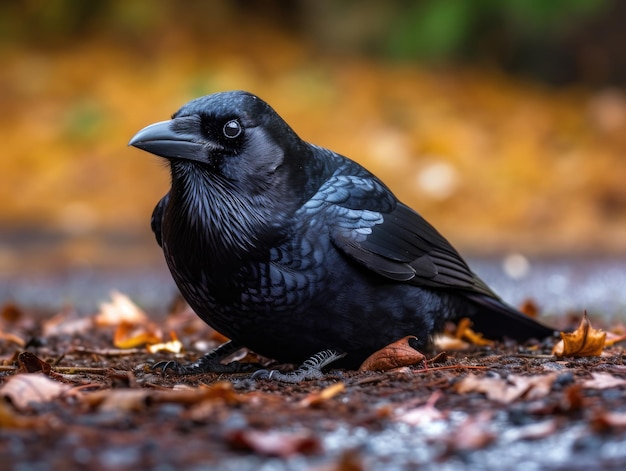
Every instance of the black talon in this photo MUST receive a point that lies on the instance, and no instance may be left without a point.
(163, 366)
(310, 369)
(210, 362)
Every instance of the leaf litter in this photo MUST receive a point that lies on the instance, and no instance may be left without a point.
(70, 377)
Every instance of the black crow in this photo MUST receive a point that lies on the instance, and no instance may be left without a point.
(293, 250)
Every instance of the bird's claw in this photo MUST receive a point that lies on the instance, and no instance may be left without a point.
(163, 366)
(209, 363)
(310, 369)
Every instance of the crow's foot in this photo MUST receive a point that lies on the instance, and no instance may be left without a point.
(208, 363)
(310, 369)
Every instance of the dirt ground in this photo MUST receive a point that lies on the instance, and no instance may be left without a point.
(72, 399)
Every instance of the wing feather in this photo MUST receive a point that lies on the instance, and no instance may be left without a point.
(391, 239)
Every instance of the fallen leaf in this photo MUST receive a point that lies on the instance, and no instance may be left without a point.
(31, 363)
(135, 399)
(120, 309)
(530, 308)
(603, 421)
(613, 338)
(134, 334)
(423, 414)
(603, 381)
(585, 341)
(446, 342)
(464, 332)
(395, 355)
(510, 389)
(26, 389)
(534, 431)
(350, 460)
(221, 391)
(272, 443)
(10, 419)
(318, 397)
(66, 322)
(172, 346)
(474, 433)
(10, 313)
(10, 337)
(124, 400)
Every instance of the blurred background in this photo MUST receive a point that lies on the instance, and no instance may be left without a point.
(502, 123)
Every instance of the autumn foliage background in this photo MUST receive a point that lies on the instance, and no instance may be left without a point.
(503, 123)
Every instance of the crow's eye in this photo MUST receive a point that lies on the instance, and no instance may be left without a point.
(232, 129)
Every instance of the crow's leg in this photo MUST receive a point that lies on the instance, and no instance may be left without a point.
(208, 363)
(310, 369)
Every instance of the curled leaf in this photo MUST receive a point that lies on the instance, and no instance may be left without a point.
(318, 397)
(131, 335)
(272, 443)
(23, 390)
(173, 346)
(507, 390)
(585, 341)
(120, 309)
(395, 355)
(464, 332)
(30, 363)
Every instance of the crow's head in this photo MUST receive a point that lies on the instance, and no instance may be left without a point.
(234, 136)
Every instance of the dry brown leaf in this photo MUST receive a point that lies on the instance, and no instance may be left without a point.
(604, 420)
(221, 391)
(318, 397)
(395, 355)
(613, 338)
(10, 313)
(603, 381)
(124, 400)
(510, 389)
(120, 309)
(31, 363)
(530, 308)
(13, 338)
(10, 419)
(66, 322)
(272, 443)
(26, 389)
(585, 341)
(474, 433)
(423, 414)
(134, 399)
(533, 431)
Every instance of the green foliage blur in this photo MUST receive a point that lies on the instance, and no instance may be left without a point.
(535, 37)
(439, 29)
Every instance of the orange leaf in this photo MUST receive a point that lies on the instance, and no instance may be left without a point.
(464, 332)
(131, 335)
(395, 355)
(318, 397)
(173, 346)
(585, 341)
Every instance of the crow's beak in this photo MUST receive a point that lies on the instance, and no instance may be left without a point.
(161, 139)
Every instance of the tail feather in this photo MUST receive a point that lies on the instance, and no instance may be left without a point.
(496, 320)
